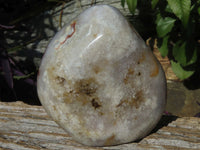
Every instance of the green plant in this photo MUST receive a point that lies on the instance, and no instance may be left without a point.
(177, 30)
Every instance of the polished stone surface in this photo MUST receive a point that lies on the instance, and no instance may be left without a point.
(100, 82)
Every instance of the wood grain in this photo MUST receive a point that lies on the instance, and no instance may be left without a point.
(28, 127)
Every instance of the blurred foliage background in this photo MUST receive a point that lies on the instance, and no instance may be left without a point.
(18, 76)
(175, 24)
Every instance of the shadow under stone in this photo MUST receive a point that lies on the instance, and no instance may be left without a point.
(164, 121)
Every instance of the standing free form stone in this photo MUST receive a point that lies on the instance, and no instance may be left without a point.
(100, 82)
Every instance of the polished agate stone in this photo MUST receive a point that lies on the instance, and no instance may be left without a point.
(100, 82)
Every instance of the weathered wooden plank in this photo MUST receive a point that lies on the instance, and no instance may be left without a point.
(24, 127)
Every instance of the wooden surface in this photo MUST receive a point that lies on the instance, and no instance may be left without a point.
(24, 127)
(28, 127)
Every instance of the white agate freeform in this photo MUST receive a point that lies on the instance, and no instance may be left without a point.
(100, 82)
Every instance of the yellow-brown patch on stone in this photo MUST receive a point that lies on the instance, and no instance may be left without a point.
(155, 71)
(142, 58)
(122, 102)
(56, 81)
(132, 101)
(110, 140)
(83, 129)
(135, 118)
(101, 113)
(138, 99)
(85, 91)
(59, 80)
(126, 80)
(86, 86)
(67, 100)
(96, 69)
(94, 35)
(83, 99)
(50, 71)
(82, 91)
(54, 107)
(130, 73)
(115, 122)
(95, 103)
(68, 97)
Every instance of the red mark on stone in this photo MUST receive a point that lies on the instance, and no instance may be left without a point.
(68, 36)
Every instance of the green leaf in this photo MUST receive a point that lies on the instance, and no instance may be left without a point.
(175, 5)
(198, 9)
(179, 52)
(184, 54)
(123, 3)
(132, 4)
(180, 72)
(164, 47)
(154, 3)
(191, 53)
(23, 77)
(181, 8)
(164, 26)
(186, 8)
(168, 9)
